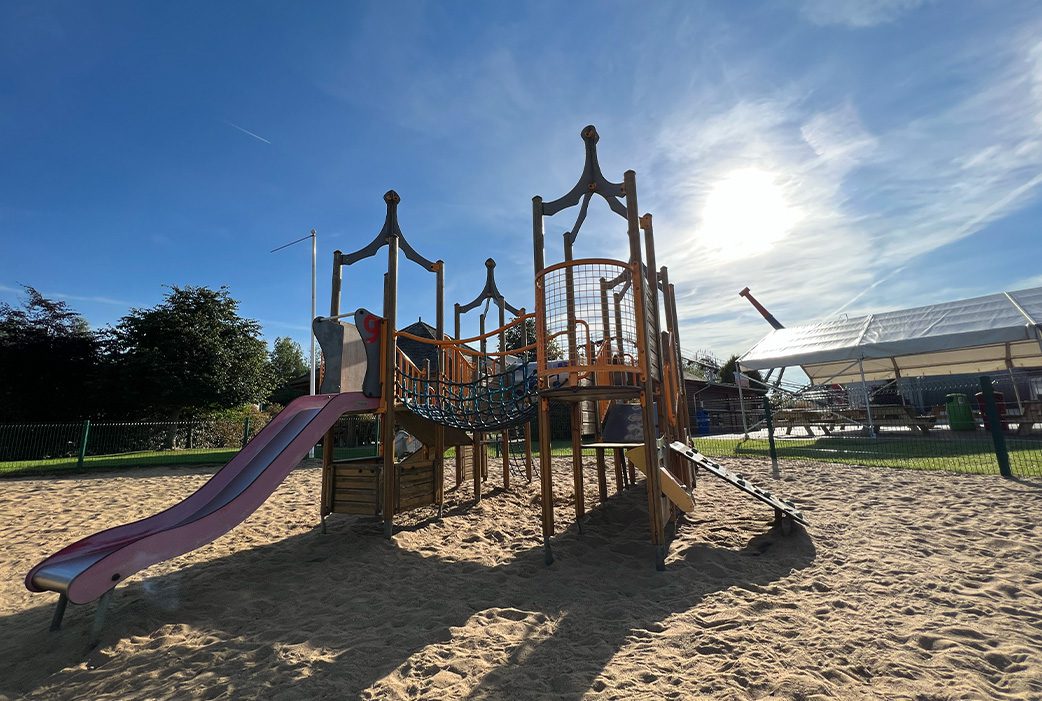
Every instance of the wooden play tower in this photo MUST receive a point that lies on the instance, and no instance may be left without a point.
(619, 342)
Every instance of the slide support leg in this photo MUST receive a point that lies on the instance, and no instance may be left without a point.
(100, 614)
(59, 612)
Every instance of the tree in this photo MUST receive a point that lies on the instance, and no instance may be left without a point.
(514, 339)
(727, 373)
(287, 364)
(48, 361)
(287, 361)
(190, 354)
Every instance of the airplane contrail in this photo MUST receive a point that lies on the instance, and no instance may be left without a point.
(247, 131)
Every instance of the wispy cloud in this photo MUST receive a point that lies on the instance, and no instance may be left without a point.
(872, 204)
(258, 137)
(284, 325)
(856, 13)
(95, 299)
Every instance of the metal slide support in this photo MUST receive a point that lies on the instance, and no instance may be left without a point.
(100, 613)
(59, 612)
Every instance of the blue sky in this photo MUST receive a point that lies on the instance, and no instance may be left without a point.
(835, 156)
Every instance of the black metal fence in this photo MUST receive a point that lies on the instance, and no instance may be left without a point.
(55, 447)
(952, 427)
(945, 428)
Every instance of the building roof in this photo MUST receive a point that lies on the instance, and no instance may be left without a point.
(981, 334)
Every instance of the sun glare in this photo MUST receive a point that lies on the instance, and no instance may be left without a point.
(746, 213)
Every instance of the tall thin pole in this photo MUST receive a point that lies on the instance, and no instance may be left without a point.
(311, 333)
(314, 268)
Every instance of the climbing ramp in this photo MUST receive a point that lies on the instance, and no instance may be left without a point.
(669, 484)
(783, 508)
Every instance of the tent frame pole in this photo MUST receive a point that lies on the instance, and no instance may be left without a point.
(741, 399)
(868, 398)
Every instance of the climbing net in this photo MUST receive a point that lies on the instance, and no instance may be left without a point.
(471, 390)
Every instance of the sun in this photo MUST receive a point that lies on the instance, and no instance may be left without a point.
(746, 213)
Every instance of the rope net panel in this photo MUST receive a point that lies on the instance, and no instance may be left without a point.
(589, 324)
(473, 391)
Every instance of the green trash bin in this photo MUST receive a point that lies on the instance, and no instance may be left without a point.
(960, 414)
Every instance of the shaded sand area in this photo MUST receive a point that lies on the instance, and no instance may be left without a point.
(908, 585)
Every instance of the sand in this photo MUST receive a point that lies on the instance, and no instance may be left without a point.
(907, 585)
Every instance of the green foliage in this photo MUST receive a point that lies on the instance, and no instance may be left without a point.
(516, 337)
(287, 360)
(190, 354)
(48, 360)
(287, 364)
(728, 370)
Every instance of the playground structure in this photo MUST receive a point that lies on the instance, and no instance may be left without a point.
(613, 324)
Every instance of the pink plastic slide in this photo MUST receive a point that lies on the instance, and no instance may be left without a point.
(90, 567)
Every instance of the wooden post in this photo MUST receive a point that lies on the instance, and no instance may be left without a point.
(390, 361)
(439, 429)
(647, 392)
(459, 448)
(326, 498)
(546, 483)
(505, 433)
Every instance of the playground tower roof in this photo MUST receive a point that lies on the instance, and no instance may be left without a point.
(983, 334)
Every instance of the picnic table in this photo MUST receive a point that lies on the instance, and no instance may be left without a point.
(828, 419)
(1031, 414)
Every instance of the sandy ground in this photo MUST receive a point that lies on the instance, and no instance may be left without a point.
(907, 585)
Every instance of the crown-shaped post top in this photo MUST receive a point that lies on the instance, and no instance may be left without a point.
(390, 230)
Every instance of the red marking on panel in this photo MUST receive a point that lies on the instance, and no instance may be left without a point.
(371, 326)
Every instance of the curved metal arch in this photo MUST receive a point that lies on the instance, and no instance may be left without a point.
(390, 229)
(591, 182)
(489, 292)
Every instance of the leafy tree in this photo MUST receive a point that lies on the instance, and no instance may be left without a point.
(287, 360)
(513, 337)
(48, 361)
(727, 372)
(190, 354)
(287, 364)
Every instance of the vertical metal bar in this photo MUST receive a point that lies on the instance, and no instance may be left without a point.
(245, 431)
(575, 415)
(311, 332)
(84, 437)
(775, 473)
(741, 399)
(998, 438)
(868, 398)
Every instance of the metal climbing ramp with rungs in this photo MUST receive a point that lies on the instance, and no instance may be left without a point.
(785, 512)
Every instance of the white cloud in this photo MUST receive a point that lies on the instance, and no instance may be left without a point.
(872, 205)
(857, 13)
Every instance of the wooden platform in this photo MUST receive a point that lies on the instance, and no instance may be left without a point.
(584, 394)
(357, 486)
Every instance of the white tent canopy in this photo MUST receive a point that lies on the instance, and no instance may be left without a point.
(984, 334)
